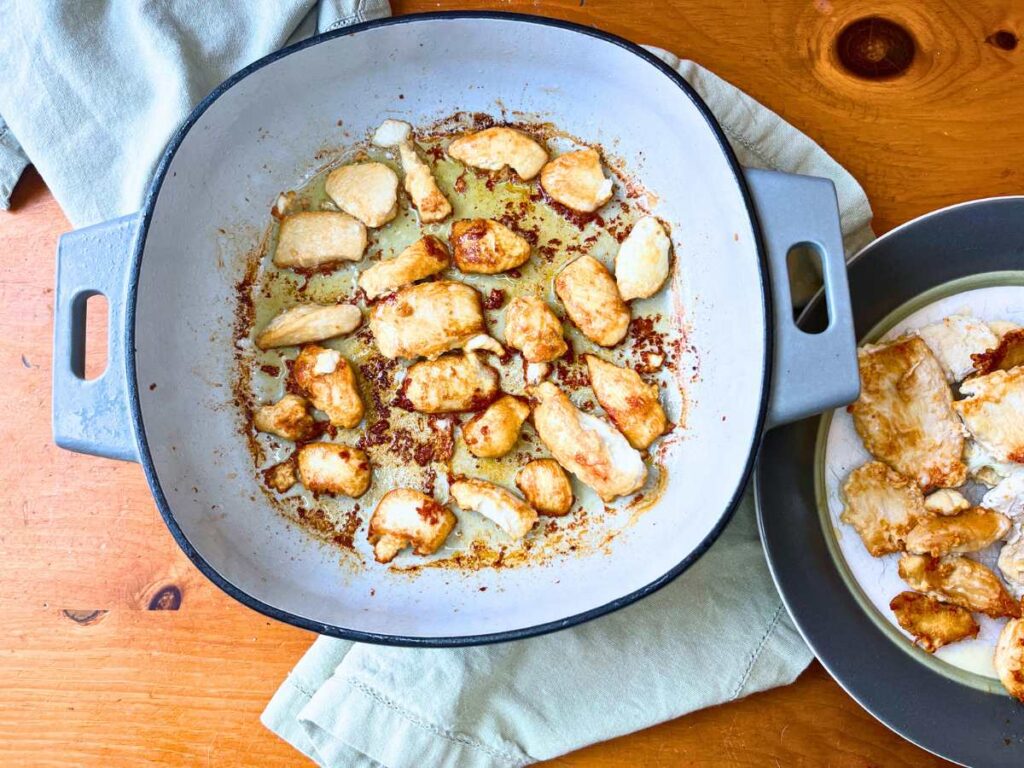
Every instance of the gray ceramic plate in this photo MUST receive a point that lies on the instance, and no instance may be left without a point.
(920, 701)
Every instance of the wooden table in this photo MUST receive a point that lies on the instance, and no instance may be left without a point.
(116, 651)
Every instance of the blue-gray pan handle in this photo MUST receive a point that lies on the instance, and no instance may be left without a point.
(811, 373)
(92, 416)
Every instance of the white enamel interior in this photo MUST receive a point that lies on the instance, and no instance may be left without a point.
(260, 137)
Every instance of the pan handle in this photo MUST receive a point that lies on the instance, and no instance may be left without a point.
(92, 416)
(811, 372)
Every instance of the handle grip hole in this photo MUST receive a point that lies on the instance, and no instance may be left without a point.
(90, 317)
(804, 266)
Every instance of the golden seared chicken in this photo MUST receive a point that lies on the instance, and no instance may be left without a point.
(958, 580)
(533, 329)
(368, 191)
(499, 505)
(993, 410)
(586, 445)
(450, 384)
(905, 413)
(969, 531)
(419, 181)
(546, 486)
(426, 257)
(426, 320)
(932, 623)
(494, 432)
(946, 501)
(405, 518)
(313, 238)
(281, 477)
(1007, 353)
(289, 418)
(486, 247)
(592, 301)
(309, 322)
(641, 265)
(577, 181)
(494, 148)
(955, 340)
(335, 469)
(1011, 559)
(1009, 658)
(328, 381)
(633, 405)
(882, 506)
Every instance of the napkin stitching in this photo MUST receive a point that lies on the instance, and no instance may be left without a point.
(749, 145)
(757, 651)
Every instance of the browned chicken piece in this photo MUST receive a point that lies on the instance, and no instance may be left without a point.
(281, 477)
(589, 447)
(905, 413)
(419, 181)
(642, 263)
(312, 239)
(946, 501)
(954, 341)
(1009, 658)
(426, 257)
(494, 148)
(368, 191)
(289, 418)
(967, 532)
(883, 507)
(546, 486)
(404, 518)
(328, 381)
(633, 405)
(486, 247)
(1007, 354)
(451, 384)
(993, 410)
(533, 329)
(426, 320)
(933, 624)
(499, 505)
(592, 301)
(494, 432)
(577, 181)
(958, 580)
(309, 322)
(334, 469)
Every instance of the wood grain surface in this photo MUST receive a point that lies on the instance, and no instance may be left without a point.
(116, 651)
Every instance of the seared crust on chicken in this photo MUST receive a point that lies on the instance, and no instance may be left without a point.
(534, 329)
(419, 181)
(1006, 354)
(289, 418)
(486, 247)
(641, 265)
(904, 414)
(946, 501)
(546, 486)
(1009, 658)
(882, 506)
(405, 517)
(993, 411)
(955, 341)
(933, 624)
(969, 531)
(281, 477)
(328, 381)
(633, 405)
(309, 322)
(313, 238)
(451, 384)
(493, 148)
(577, 181)
(958, 580)
(494, 432)
(334, 469)
(592, 301)
(426, 320)
(426, 257)
(499, 505)
(368, 191)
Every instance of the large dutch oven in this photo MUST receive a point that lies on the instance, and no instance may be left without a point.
(169, 275)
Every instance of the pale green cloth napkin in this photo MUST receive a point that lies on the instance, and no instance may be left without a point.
(92, 91)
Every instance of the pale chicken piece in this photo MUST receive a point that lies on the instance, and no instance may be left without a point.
(882, 506)
(484, 343)
(633, 405)
(404, 517)
(577, 181)
(334, 469)
(946, 501)
(985, 469)
(1006, 354)
(311, 239)
(451, 384)
(535, 373)
(958, 580)
(969, 531)
(533, 329)
(905, 413)
(494, 432)
(328, 381)
(426, 257)
(368, 191)
(993, 410)
(289, 418)
(486, 247)
(494, 148)
(426, 320)
(1011, 559)
(932, 623)
(281, 477)
(955, 341)
(499, 505)
(1007, 496)
(419, 181)
(642, 263)
(586, 445)
(1009, 658)
(1002, 327)
(592, 301)
(309, 322)
(546, 486)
